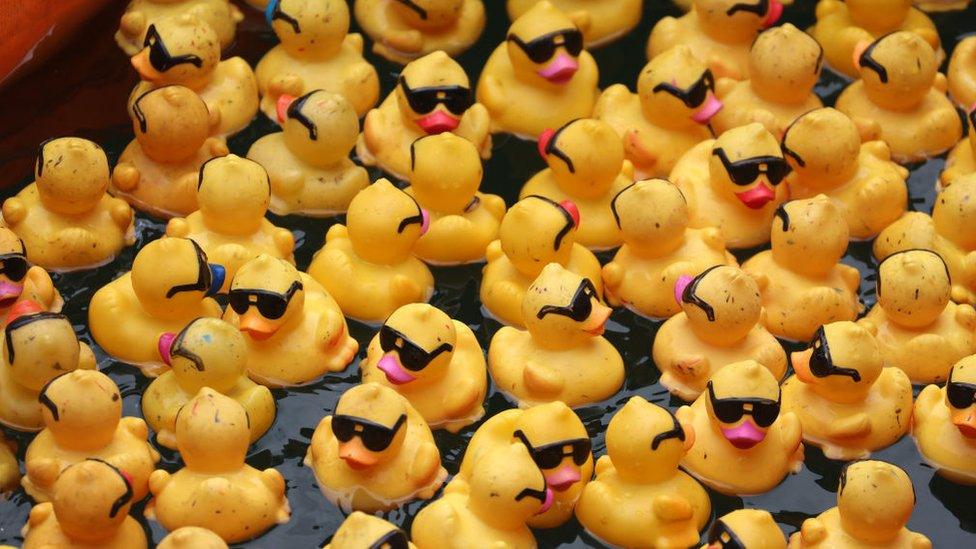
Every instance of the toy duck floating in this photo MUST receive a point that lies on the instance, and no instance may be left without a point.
(944, 424)
(719, 324)
(562, 355)
(658, 249)
(445, 172)
(914, 317)
(308, 161)
(900, 90)
(185, 50)
(586, 167)
(221, 15)
(733, 183)
(962, 159)
(376, 453)
(600, 22)
(745, 528)
(962, 73)
(64, 218)
(168, 286)
(208, 352)
(360, 530)
(540, 77)
(216, 489)
(862, 180)
(432, 95)
(403, 30)
(192, 537)
(668, 115)
(295, 331)
(640, 498)
(21, 281)
(158, 171)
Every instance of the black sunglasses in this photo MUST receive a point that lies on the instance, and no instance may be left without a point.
(729, 410)
(745, 171)
(695, 94)
(532, 493)
(788, 151)
(415, 8)
(759, 8)
(394, 539)
(271, 305)
(549, 456)
(579, 308)
(542, 49)
(677, 432)
(783, 216)
(375, 437)
(972, 117)
(570, 223)
(553, 149)
(177, 349)
(22, 321)
(961, 395)
(412, 356)
(295, 113)
(124, 498)
(273, 11)
(456, 99)
(413, 219)
(204, 276)
(867, 61)
(822, 365)
(14, 265)
(159, 56)
(721, 534)
(688, 294)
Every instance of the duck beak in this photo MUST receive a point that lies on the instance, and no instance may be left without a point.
(709, 108)
(562, 478)
(801, 366)
(256, 326)
(596, 323)
(774, 13)
(147, 72)
(965, 421)
(164, 345)
(425, 225)
(356, 455)
(395, 372)
(9, 292)
(560, 70)
(437, 122)
(745, 435)
(679, 287)
(547, 503)
(281, 106)
(758, 196)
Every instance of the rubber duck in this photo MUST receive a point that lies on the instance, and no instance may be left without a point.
(875, 499)
(192, 537)
(535, 232)
(234, 500)
(720, 323)
(9, 468)
(82, 413)
(90, 508)
(360, 530)
(403, 30)
(562, 354)
(434, 362)
(658, 248)
(944, 424)
(640, 498)
(491, 508)
(295, 331)
(961, 73)
(540, 77)
(961, 161)
(558, 443)
(586, 167)
(600, 22)
(208, 352)
(802, 281)
(733, 183)
(900, 90)
(168, 286)
(668, 115)
(158, 171)
(230, 226)
(308, 161)
(445, 172)
(843, 25)
(221, 15)
(38, 347)
(432, 95)
(382, 471)
(20, 281)
(185, 50)
(784, 66)
(64, 218)
(719, 32)
(914, 317)
(368, 264)
(848, 403)
(752, 528)
(862, 180)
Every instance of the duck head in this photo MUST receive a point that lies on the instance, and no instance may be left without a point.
(71, 174)
(171, 276)
(722, 304)
(82, 409)
(585, 156)
(897, 69)
(39, 346)
(809, 236)
(384, 223)
(879, 16)
(743, 401)
(213, 432)
(233, 194)
(319, 127)
(544, 45)
(818, 162)
(558, 443)
(433, 93)
(784, 64)
(418, 343)
(445, 172)
(677, 90)
(746, 166)
(506, 487)
(13, 267)
(737, 20)
(208, 352)
(192, 537)
(652, 216)
(645, 442)
(960, 396)
(370, 425)
(178, 50)
(744, 528)
(266, 294)
(91, 500)
(428, 15)
(361, 530)
(842, 363)
(171, 123)
(537, 231)
(913, 287)
(562, 310)
(309, 29)
(875, 500)
(954, 213)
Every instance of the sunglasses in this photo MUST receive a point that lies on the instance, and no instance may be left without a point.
(159, 56)
(413, 219)
(124, 498)
(721, 534)
(570, 224)
(553, 149)
(177, 349)
(694, 95)
(412, 356)
(688, 295)
(783, 216)
(271, 305)
(295, 113)
(415, 8)
(549, 456)
(456, 99)
(729, 410)
(677, 432)
(394, 539)
(204, 276)
(822, 365)
(579, 308)
(273, 11)
(542, 49)
(137, 110)
(531, 493)
(14, 265)
(867, 61)
(22, 321)
(788, 151)
(375, 437)
(759, 9)
(745, 171)
(961, 395)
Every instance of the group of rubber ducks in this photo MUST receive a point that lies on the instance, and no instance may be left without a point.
(722, 148)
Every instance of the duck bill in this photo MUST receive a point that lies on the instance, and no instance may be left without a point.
(356, 455)
(965, 421)
(140, 62)
(9, 293)
(165, 345)
(596, 323)
(758, 196)
(546, 503)
(745, 435)
(709, 109)
(281, 106)
(437, 122)
(562, 478)
(801, 366)
(394, 371)
(679, 287)
(560, 70)
(256, 326)
(774, 13)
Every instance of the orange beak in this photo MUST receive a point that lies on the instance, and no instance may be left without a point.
(965, 421)
(147, 72)
(597, 321)
(858, 50)
(356, 455)
(801, 365)
(256, 325)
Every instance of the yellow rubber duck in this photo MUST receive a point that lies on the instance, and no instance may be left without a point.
(540, 76)
(640, 498)
(376, 453)
(403, 30)
(21, 281)
(944, 424)
(720, 323)
(168, 286)
(207, 353)
(295, 331)
(843, 25)
(83, 420)
(434, 362)
(432, 95)
(586, 167)
(914, 317)
(600, 22)
(185, 50)
(221, 15)
(935, 6)
(445, 173)
(368, 265)
(733, 183)
(667, 116)
(562, 354)
(899, 91)
(9, 468)
(658, 249)
(192, 537)
(535, 232)
(308, 161)
(234, 500)
(848, 403)
(874, 502)
(231, 226)
(360, 530)
(90, 508)
(752, 528)
(962, 73)
(802, 281)
(719, 32)
(558, 443)
(784, 66)
(38, 347)
(64, 218)
(158, 171)
(961, 161)
(862, 180)
(491, 508)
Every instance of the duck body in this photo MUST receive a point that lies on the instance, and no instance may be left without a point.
(43, 530)
(961, 162)
(831, 533)
(743, 105)
(222, 16)
(602, 22)
(962, 72)
(456, 239)
(940, 442)
(401, 37)
(466, 528)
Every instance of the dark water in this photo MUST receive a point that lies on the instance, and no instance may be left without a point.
(944, 512)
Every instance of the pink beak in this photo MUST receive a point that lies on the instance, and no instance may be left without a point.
(281, 107)
(680, 285)
(561, 479)
(395, 373)
(757, 197)
(10, 291)
(437, 122)
(164, 345)
(744, 436)
(425, 226)
(708, 110)
(775, 12)
(547, 503)
(560, 70)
